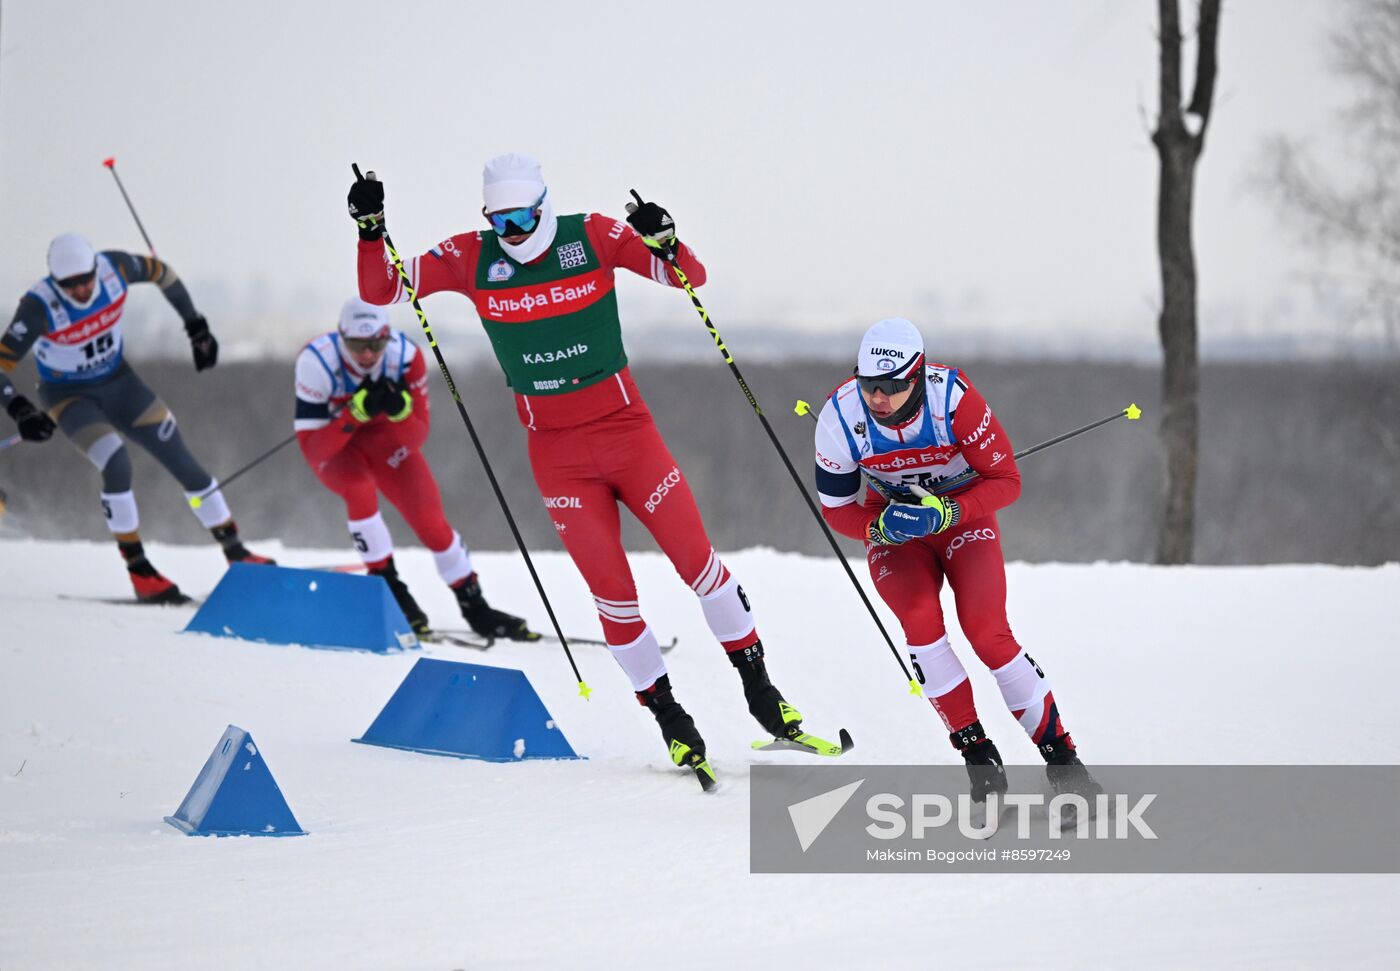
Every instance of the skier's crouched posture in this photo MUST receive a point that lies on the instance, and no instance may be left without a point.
(72, 318)
(902, 427)
(361, 417)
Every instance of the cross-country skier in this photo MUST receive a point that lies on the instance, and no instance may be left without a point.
(543, 287)
(73, 320)
(908, 425)
(361, 418)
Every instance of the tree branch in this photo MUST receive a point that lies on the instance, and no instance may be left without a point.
(1207, 63)
(1169, 85)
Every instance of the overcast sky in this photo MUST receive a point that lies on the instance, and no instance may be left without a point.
(982, 168)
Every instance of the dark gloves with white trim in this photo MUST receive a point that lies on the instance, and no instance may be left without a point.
(654, 225)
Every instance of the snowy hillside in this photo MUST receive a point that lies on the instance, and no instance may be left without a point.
(107, 714)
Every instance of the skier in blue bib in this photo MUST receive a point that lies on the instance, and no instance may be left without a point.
(72, 319)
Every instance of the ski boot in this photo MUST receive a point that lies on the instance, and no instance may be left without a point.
(485, 620)
(766, 703)
(1069, 775)
(984, 766)
(686, 747)
(234, 550)
(417, 620)
(778, 718)
(146, 580)
(1064, 770)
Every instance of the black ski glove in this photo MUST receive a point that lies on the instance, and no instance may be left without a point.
(371, 398)
(398, 400)
(34, 425)
(205, 347)
(366, 202)
(655, 225)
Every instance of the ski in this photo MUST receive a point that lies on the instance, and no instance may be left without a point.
(806, 742)
(686, 757)
(336, 567)
(456, 640)
(466, 638)
(184, 601)
(705, 775)
(983, 825)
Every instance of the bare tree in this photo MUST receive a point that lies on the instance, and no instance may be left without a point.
(1180, 139)
(1360, 215)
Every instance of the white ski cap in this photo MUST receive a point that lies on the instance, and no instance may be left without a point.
(511, 181)
(70, 255)
(891, 347)
(361, 320)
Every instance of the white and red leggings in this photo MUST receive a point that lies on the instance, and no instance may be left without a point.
(585, 472)
(910, 577)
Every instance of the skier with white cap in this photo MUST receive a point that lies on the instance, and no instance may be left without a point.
(73, 320)
(361, 417)
(906, 425)
(543, 286)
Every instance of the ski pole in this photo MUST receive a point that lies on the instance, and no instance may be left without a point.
(1132, 413)
(12, 440)
(111, 164)
(583, 689)
(763, 419)
(197, 501)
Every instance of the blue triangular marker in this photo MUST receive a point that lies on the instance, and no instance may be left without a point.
(470, 711)
(235, 795)
(316, 608)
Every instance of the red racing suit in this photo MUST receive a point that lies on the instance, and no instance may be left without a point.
(357, 461)
(554, 327)
(953, 432)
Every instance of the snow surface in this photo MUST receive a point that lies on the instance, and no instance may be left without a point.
(107, 714)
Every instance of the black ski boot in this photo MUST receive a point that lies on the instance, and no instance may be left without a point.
(766, 703)
(1064, 770)
(417, 620)
(678, 730)
(485, 620)
(984, 765)
(234, 550)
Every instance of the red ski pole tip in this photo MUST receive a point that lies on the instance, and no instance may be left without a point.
(110, 162)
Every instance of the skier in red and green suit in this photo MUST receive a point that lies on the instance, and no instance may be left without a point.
(543, 286)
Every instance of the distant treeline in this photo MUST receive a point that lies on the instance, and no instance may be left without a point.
(1300, 462)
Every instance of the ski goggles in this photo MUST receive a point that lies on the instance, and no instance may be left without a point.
(890, 384)
(517, 222)
(358, 345)
(886, 385)
(77, 279)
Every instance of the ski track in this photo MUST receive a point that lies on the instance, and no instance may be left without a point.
(107, 714)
